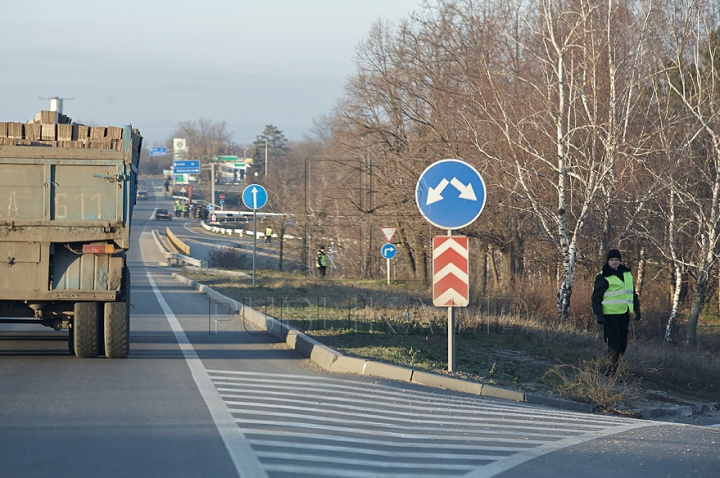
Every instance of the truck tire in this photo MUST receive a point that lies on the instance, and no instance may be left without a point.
(117, 336)
(116, 323)
(86, 328)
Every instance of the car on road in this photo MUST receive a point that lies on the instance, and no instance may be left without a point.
(162, 215)
(142, 194)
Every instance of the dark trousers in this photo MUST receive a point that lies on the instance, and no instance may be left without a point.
(616, 336)
(321, 270)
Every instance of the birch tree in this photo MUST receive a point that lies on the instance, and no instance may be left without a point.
(692, 73)
(565, 113)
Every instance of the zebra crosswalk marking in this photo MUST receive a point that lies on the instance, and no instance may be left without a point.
(327, 426)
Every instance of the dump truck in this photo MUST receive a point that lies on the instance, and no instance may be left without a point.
(67, 193)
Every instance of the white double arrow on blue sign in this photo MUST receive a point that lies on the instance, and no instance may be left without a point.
(450, 208)
(466, 192)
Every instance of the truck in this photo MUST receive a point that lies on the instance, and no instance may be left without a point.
(67, 193)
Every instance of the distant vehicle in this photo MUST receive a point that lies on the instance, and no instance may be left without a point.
(162, 215)
(142, 194)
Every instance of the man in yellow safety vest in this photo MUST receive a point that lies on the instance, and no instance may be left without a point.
(613, 300)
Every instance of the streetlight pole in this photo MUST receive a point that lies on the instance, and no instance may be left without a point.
(266, 151)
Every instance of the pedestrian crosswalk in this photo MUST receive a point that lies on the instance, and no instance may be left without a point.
(327, 426)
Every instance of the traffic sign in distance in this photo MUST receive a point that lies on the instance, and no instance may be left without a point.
(451, 281)
(254, 196)
(450, 194)
(388, 232)
(186, 167)
(388, 251)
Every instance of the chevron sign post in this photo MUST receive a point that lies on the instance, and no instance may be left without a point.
(451, 287)
(450, 194)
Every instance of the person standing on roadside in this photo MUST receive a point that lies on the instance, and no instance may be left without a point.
(613, 300)
(321, 261)
(268, 235)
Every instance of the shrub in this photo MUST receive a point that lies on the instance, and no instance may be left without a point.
(227, 258)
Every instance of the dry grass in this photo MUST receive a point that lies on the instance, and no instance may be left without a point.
(585, 382)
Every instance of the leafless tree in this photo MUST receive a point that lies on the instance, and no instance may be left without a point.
(565, 107)
(692, 73)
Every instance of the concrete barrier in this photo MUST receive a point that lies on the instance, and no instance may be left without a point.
(451, 383)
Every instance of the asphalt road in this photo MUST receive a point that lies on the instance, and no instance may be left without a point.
(188, 403)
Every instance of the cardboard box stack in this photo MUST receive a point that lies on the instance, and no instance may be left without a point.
(52, 129)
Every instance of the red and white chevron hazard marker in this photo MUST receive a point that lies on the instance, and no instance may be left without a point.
(451, 282)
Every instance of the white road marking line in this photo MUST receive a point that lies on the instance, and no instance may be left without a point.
(245, 460)
(512, 461)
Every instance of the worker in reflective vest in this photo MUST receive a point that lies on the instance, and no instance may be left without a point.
(613, 300)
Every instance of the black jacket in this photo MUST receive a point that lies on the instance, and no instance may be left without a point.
(601, 285)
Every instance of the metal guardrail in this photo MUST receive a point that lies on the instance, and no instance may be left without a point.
(177, 243)
(176, 256)
(181, 258)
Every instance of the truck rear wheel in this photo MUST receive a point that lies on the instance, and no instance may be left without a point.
(86, 327)
(116, 323)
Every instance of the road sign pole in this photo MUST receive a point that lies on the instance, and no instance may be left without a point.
(254, 242)
(451, 332)
(451, 339)
(212, 188)
(388, 271)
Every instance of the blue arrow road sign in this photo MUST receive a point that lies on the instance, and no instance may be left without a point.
(186, 167)
(210, 207)
(450, 194)
(158, 151)
(254, 196)
(388, 251)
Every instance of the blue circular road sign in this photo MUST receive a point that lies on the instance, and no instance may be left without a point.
(254, 196)
(209, 207)
(388, 251)
(450, 194)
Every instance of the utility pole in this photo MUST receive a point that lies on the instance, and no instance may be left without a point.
(264, 137)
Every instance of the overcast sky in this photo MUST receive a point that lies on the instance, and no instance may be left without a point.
(155, 63)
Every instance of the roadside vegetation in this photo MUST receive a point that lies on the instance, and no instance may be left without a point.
(509, 346)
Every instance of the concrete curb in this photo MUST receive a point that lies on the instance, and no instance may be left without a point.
(678, 411)
(336, 362)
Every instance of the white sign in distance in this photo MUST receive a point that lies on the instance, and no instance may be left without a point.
(388, 232)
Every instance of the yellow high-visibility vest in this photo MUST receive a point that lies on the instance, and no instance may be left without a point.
(618, 298)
